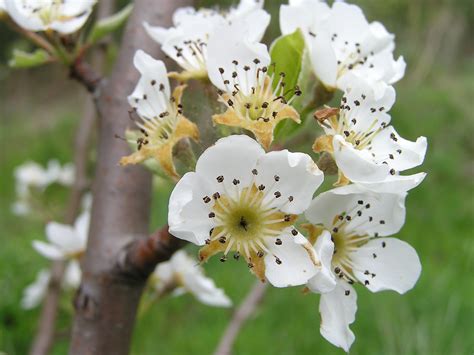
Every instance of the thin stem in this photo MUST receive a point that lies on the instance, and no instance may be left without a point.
(246, 309)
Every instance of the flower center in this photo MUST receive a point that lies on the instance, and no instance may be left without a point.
(192, 56)
(250, 93)
(155, 130)
(244, 219)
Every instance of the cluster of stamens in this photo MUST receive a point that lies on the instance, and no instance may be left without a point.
(260, 101)
(355, 56)
(245, 220)
(346, 126)
(347, 241)
(192, 56)
(156, 129)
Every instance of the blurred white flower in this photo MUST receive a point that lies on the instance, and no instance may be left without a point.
(32, 176)
(349, 226)
(34, 293)
(65, 16)
(65, 241)
(254, 99)
(186, 42)
(183, 274)
(366, 149)
(342, 43)
(245, 201)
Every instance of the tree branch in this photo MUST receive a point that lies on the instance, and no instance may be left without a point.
(144, 254)
(106, 302)
(246, 309)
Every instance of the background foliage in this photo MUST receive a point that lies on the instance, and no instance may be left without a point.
(38, 116)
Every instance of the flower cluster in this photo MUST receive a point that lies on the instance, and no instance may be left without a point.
(246, 200)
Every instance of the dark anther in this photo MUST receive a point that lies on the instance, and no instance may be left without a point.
(261, 187)
(222, 240)
(237, 256)
(206, 199)
(347, 292)
(290, 198)
(216, 195)
(212, 215)
(384, 244)
(236, 182)
(277, 178)
(223, 258)
(278, 241)
(220, 178)
(277, 194)
(294, 232)
(278, 261)
(255, 172)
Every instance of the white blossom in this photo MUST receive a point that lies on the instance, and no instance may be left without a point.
(34, 293)
(65, 16)
(366, 148)
(65, 241)
(186, 42)
(342, 43)
(245, 201)
(159, 115)
(351, 228)
(255, 99)
(183, 274)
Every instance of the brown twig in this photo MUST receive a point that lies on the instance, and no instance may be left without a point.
(106, 303)
(46, 326)
(84, 73)
(246, 309)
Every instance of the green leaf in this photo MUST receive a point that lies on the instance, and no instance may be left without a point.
(109, 24)
(22, 59)
(287, 54)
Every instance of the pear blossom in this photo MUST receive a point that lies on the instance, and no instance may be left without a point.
(366, 149)
(245, 201)
(65, 241)
(32, 176)
(182, 274)
(342, 43)
(160, 115)
(64, 17)
(255, 100)
(186, 42)
(34, 293)
(350, 228)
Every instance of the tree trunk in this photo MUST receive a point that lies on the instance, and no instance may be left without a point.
(107, 300)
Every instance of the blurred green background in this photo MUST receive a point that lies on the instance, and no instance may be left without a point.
(39, 111)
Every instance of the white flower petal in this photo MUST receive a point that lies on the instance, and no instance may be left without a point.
(395, 184)
(371, 213)
(404, 154)
(72, 275)
(396, 265)
(323, 59)
(338, 309)
(159, 34)
(48, 250)
(63, 236)
(23, 17)
(253, 25)
(324, 280)
(357, 165)
(296, 267)
(205, 290)
(187, 213)
(233, 157)
(298, 178)
(305, 14)
(147, 97)
(81, 228)
(228, 44)
(34, 293)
